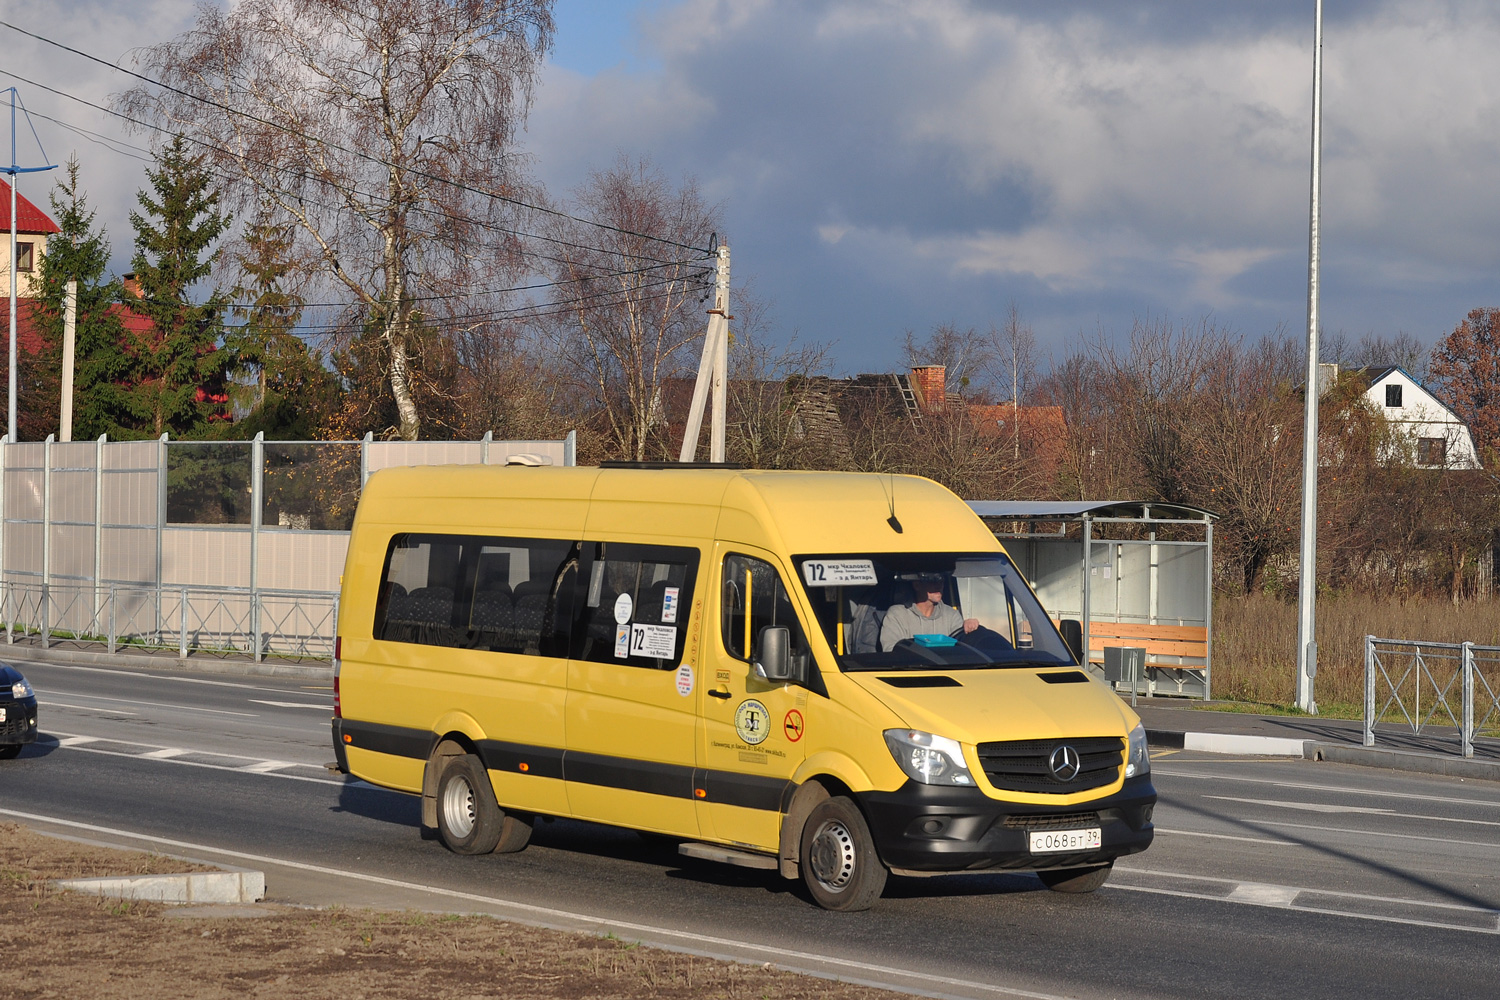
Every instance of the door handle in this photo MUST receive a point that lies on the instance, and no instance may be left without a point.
(719, 694)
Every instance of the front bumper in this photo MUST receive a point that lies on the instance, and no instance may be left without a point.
(934, 828)
(19, 725)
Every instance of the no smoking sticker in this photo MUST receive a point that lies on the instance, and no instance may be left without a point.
(792, 725)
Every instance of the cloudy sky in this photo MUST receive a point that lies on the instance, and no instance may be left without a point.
(885, 166)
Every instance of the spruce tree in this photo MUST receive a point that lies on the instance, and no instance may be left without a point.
(181, 368)
(81, 253)
(289, 388)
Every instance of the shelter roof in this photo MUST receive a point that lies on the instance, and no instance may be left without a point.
(1077, 510)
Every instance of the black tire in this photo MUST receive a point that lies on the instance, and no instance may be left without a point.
(1076, 879)
(838, 860)
(10, 751)
(469, 819)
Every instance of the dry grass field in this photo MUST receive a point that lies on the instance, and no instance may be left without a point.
(1255, 639)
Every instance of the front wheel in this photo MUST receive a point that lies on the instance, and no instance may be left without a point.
(1076, 879)
(839, 865)
(469, 819)
(10, 751)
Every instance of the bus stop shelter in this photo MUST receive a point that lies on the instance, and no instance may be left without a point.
(1136, 575)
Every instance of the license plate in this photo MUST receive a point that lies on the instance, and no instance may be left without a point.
(1055, 841)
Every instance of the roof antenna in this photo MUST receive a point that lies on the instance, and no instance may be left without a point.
(891, 497)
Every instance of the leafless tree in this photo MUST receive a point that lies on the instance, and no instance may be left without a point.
(967, 355)
(1014, 351)
(382, 129)
(629, 303)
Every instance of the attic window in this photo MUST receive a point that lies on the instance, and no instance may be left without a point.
(1393, 395)
(23, 256)
(1432, 451)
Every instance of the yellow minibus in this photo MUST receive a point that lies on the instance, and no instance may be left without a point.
(832, 676)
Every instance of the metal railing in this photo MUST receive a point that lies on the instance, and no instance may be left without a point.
(1423, 679)
(189, 620)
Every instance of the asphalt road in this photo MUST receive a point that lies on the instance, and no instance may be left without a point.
(1267, 879)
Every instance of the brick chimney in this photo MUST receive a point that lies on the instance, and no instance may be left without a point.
(132, 284)
(931, 383)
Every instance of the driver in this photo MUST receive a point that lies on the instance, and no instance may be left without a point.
(925, 615)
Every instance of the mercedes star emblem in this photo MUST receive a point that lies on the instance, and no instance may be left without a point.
(1064, 763)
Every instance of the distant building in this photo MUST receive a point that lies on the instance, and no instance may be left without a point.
(1437, 437)
(32, 229)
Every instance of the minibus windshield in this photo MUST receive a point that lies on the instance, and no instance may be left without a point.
(929, 610)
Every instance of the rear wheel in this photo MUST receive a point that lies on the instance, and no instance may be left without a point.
(839, 864)
(1076, 879)
(469, 819)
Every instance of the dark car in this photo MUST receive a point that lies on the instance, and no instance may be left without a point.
(17, 712)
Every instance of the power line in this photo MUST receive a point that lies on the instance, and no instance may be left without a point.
(351, 191)
(343, 149)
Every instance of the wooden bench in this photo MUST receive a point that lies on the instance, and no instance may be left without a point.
(1176, 655)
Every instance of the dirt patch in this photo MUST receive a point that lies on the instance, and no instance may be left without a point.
(63, 945)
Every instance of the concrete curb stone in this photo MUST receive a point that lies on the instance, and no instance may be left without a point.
(235, 886)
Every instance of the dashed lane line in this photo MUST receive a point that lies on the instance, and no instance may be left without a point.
(1383, 793)
(324, 707)
(214, 761)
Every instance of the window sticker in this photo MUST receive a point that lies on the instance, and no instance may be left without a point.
(656, 641)
(622, 642)
(839, 572)
(623, 607)
(669, 605)
(684, 680)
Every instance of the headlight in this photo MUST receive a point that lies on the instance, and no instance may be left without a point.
(932, 760)
(1137, 757)
(20, 689)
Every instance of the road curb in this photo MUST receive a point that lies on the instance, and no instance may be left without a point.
(236, 886)
(1403, 760)
(320, 670)
(1266, 746)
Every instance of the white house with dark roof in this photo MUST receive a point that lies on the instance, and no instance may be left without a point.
(1439, 439)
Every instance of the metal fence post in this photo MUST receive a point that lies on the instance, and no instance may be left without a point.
(1468, 704)
(257, 510)
(46, 541)
(570, 448)
(364, 458)
(161, 530)
(112, 633)
(98, 521)
(182, 635)
(484, 447)
(1208, 612)
(1369, 739)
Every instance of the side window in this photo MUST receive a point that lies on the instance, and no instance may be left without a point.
(636, 601)
(753, 598)
(509, 595)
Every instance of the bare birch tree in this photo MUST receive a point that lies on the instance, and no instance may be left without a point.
(628, 306)
(1014, 351)
(382, 129)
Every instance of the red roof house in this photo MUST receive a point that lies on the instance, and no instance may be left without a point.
(32, 229)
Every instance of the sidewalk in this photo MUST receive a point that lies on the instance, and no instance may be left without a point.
(1171, 723)
(1179, 724)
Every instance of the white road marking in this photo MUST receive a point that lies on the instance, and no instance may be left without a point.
(1329, 808)
(773, 955)
(267, 766)
(1306, 786)
(166, 754)
(325, 707)
(1265, 895)
(1341, 893)
(1226, 836)
(1380, 833)
(1322, 807)
(239, 769)
(85, 708)
(74, 741)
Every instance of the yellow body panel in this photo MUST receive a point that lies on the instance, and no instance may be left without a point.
(641, 716)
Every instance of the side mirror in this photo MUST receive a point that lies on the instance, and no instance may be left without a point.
(1072, 637)
(775, 663)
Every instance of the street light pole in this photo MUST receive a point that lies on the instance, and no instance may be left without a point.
(1307, 592)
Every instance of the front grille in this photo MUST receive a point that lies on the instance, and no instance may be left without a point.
(1053, 821)
(1022, 765)
(17, 720)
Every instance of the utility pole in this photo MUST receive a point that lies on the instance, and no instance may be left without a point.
(1307, 591)
(70, 326)
(712, 372)
(13, 170)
